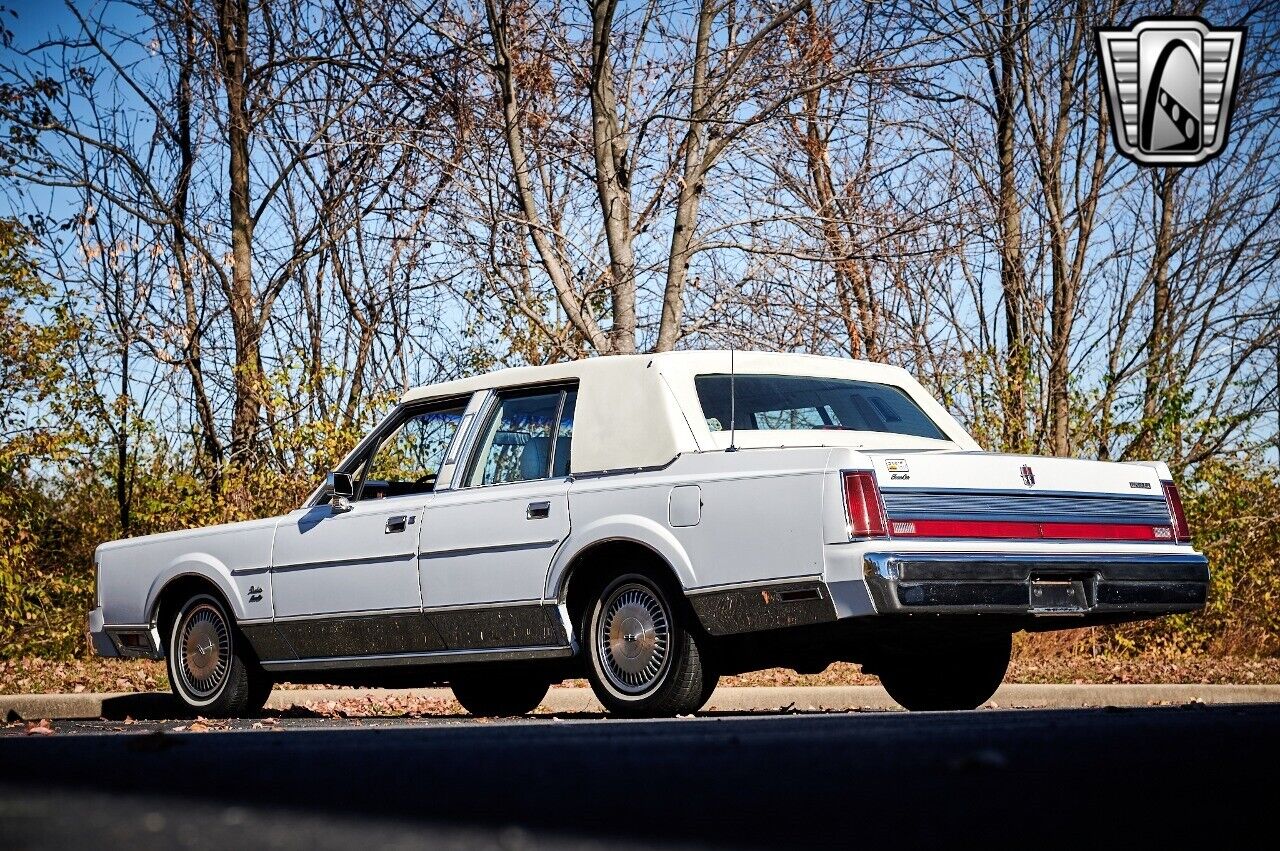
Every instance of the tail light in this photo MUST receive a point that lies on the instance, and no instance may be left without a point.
(862, 503)
(1181, 532)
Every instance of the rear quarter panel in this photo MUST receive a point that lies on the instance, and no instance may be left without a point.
(760, 516)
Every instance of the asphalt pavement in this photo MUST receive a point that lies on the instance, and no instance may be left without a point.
(1031, 778)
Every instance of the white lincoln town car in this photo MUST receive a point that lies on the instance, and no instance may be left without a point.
(654, 522)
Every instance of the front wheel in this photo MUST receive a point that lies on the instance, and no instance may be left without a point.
(958, 673)
(208, 669)
(644, 658)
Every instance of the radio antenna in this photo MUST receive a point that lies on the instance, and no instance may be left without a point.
(733, 404)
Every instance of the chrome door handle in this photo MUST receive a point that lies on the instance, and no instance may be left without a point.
(538, 511)
(396, 524)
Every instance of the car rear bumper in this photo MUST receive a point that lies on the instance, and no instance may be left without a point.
(1036, 585)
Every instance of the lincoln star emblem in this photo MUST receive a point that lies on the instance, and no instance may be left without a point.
(1028, 475)
(1170, 84)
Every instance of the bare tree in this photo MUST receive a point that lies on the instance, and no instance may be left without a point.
(703, 99)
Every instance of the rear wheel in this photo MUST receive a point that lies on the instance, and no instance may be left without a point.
(644, 658)
(942, 674)
(492, 696)
(209, 669)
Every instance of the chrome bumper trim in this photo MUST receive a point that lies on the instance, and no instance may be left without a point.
(99, 641)
(109, 641)
(960, 583)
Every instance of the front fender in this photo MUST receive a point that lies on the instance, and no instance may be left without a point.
(204, 566)
(628, 527)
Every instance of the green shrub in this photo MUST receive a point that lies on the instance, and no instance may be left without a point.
(1234, 513)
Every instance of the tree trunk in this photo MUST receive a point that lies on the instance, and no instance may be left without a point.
(575, 309)
(233, 37)
(1061, 318)
(210, 446)
(123, 491)
(691, 187)
(1009, 214)
(1159, 338)
(1050, 132)
(613, 183)
(858, 308)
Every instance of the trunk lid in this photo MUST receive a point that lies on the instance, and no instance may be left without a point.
(1024, 497)
(996, 471)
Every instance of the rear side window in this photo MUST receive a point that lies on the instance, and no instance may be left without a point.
(770, 402)
(529, 436)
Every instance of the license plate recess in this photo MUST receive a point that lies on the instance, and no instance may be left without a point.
(1058, 596)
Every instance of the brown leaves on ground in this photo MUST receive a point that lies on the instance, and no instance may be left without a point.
(43, 727)
(94, 675)
(375, 706)
(202, 725)
(839, 674)
(33, 675)
(1066, 668)
(1147, 668)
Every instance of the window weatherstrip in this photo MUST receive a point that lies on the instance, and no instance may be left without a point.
(459, 438)
(554, 439)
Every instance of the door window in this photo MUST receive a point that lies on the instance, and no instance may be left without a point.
(529, 437)
(409, 460)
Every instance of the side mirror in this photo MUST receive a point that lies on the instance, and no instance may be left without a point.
(340, 485)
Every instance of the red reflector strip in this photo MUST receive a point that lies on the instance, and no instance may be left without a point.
(1025, 530)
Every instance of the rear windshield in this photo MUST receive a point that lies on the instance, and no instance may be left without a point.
(766, 402)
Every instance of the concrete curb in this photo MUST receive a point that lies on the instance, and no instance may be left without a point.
(159, 705)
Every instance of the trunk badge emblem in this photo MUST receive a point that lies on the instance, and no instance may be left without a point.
(1028, 475)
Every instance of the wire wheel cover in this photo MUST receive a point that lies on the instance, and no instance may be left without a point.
(634, 639)
(204, 645)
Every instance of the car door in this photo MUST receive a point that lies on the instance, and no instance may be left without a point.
(345, 582)
(486, 545)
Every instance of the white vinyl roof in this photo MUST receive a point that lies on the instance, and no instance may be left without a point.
(639, 411)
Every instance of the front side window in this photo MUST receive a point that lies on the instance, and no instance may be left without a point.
(768, 402)
(529, 437)
(409, 460)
